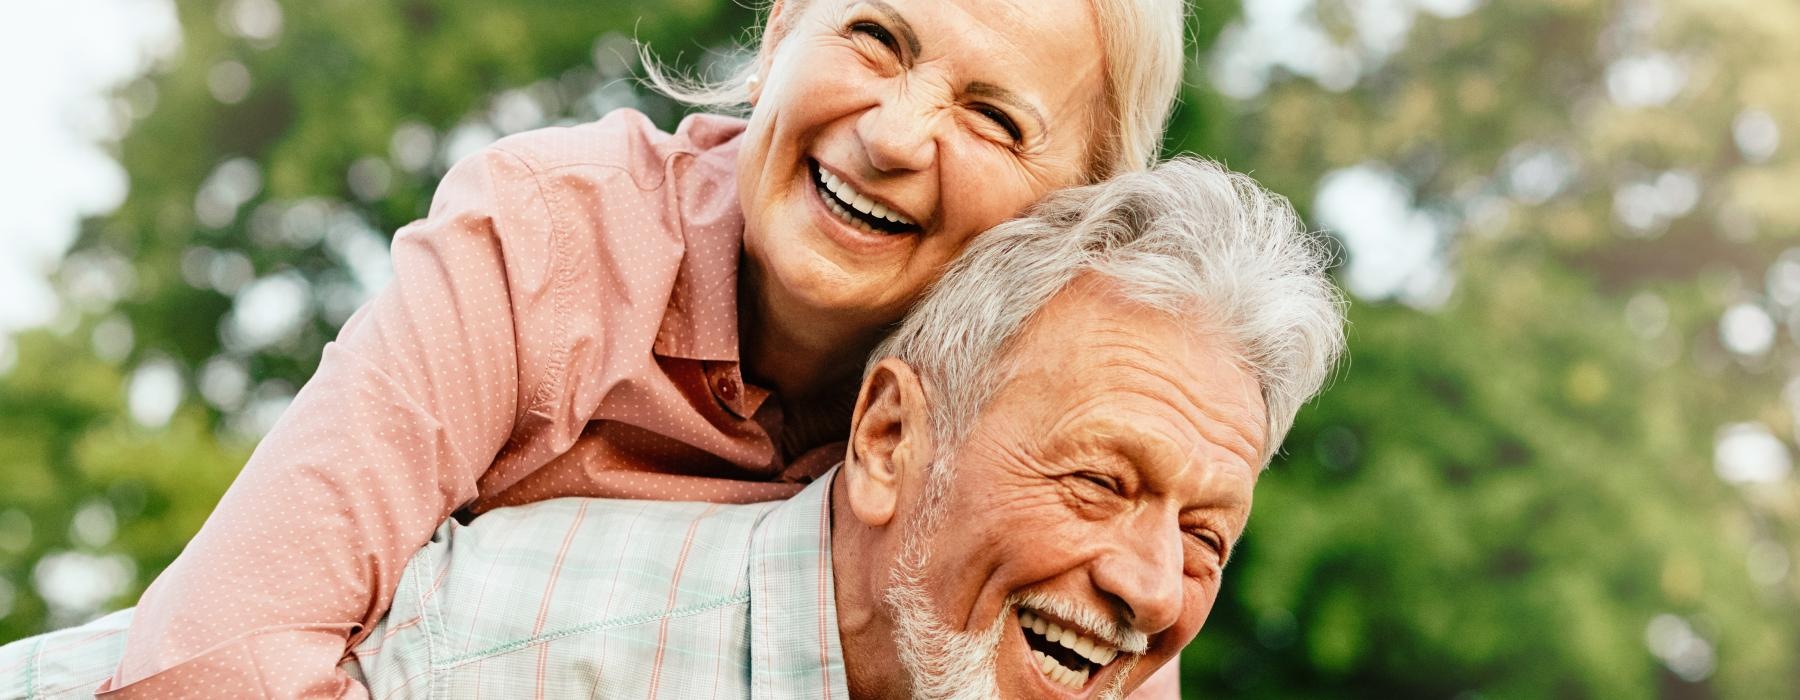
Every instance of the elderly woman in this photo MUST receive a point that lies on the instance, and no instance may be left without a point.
(570, 318)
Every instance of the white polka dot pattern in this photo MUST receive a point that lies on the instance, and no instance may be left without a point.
(563, 323)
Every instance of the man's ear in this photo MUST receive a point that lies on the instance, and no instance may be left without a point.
(890, 441)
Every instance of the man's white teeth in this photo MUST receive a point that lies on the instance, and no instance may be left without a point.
(1057, 672)
(1100, 653)
(849, 197)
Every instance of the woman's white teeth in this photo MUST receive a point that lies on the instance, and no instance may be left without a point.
(1100, 653)
(849, 197)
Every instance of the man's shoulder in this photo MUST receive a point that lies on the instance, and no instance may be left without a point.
(584, 595)
(605, 543)
(569, 565)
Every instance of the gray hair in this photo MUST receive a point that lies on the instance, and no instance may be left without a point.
(1141, 43)
(1188, 238)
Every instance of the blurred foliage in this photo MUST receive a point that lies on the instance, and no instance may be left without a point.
(1524, 484)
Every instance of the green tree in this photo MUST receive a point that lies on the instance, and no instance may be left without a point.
(1514, 489)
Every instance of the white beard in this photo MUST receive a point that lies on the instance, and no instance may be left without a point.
(943, 663)
(949, 664)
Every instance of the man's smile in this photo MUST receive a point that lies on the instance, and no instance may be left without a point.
(1062, 651)
(1064, 655)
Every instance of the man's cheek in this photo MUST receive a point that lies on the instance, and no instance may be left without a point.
(1195, 609)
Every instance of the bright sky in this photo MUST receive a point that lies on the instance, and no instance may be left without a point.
(58, 61)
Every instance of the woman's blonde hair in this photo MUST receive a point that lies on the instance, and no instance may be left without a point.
(1142, 42)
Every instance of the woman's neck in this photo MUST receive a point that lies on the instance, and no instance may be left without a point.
(800, 353)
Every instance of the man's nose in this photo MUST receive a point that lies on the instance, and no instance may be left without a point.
(1145, 574)
(899, 135)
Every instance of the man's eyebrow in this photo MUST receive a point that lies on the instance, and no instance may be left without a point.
(901, 26)
(990, 91)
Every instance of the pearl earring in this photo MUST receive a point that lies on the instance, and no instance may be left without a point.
(751, 82)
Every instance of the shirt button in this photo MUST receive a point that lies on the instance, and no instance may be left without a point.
(727, 389)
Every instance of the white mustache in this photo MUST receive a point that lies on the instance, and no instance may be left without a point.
(1109, 629)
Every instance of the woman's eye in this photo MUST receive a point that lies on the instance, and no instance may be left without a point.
(1004, 122)
(878, 33)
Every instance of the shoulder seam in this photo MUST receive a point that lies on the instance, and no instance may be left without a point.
(662, 180)
(541, 396)
(639, 619)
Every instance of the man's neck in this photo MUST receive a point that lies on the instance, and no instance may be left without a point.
(864, 632)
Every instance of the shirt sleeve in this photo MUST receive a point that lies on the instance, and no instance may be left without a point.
(409, 406)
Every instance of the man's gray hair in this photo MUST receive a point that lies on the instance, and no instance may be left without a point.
(1189, 238)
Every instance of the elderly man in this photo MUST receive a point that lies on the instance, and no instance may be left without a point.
(1049, 464)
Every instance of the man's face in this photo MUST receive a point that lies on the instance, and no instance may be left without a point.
(1082, 537)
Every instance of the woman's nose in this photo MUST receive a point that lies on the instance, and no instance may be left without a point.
(899, 136)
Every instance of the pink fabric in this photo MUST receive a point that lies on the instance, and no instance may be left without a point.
(564, 322)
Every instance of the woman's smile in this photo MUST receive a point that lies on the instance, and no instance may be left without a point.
(857, 209)
(886, 135)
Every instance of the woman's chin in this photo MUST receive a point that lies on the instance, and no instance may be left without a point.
(822, 280)
(830, 292)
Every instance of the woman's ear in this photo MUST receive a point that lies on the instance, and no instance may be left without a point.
(891, 442)
(774, 29)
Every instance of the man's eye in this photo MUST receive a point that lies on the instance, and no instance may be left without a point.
(1105, 483)
(878, 33)
(1000, 118)
(1206, 539)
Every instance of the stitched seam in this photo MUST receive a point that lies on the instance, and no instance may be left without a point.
(432, 626)
(561, 244)
(594, 627)
(661, 171)
(31, 668)
(557, 367)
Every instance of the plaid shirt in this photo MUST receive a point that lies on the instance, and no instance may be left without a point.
(572, 597)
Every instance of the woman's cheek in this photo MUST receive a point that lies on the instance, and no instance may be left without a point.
(851, 73)
(983, 208)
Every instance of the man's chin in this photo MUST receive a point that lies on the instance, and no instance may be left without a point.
(943, 663)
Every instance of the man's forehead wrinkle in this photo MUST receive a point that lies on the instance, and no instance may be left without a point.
(1127, 353)
(1080, 430)
(1234, 435)
(1145, 444)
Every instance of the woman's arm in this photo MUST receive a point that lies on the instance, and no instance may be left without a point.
(422, 388)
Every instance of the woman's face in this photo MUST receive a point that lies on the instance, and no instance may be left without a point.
(887, 133)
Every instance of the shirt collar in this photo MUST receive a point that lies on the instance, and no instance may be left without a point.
(794, 650)
(701, 321)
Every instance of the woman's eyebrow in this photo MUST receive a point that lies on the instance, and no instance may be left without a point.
(990, 91)
(901, 26)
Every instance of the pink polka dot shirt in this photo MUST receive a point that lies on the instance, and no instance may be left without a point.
(562, 323)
